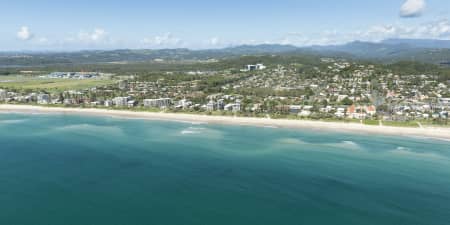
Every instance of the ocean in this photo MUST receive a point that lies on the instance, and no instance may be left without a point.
(86, 170)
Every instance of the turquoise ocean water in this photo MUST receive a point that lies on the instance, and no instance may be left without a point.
(68, 169)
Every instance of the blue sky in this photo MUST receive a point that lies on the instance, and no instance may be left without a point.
(74, 25)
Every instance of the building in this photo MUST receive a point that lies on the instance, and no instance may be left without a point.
(132, 103)
(361, 112)
(210, 106)
(43, 99)
(260, 66)
(69, 101)
(220, 104)
(295, 109)
(108, 103)
(255, 67)
(123, 85)
(120, 101)
(442, 101)
(158, 103)
(235, 107)
(183, 104)
(3, 95)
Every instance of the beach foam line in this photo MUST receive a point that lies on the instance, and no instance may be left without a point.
(12, 121)
(436, 133)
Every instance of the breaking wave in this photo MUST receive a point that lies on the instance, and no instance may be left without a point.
(345, 145)
(193, 130)
(409, 152)
(89, 128)
(292, 141)
(12, 121)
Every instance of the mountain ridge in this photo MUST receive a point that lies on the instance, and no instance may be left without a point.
(387, 51)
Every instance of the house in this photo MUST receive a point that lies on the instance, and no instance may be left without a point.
(304, 113)
(183, 104)
(228, 107)
(43, 99)
(326, 109)
(3, 95)
(210, 106)
(295, 109)
(131, 103)
(120, 101)
(235, 107)
(220, 104)
(443, 101)
(360, 112)
(108, 103)
(256, 107)
(371, 110)
(158, 103)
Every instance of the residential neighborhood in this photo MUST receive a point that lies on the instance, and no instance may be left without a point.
(338, 89)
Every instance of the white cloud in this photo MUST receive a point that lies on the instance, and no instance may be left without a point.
(439, 29)
(97, 35)
(42, 40)
(412, 8)
(214, 41)
(25, 34)
(166, 40)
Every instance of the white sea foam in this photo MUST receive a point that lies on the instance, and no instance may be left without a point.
(189, 132)
(409, 152)
(12, 121)
(90, 128)
(201, 132)
(351, 145)
(193, 130)
(292, 141)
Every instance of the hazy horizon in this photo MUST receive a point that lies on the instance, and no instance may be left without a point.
(106, 25)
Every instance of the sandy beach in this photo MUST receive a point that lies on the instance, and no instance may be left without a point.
(424, 132)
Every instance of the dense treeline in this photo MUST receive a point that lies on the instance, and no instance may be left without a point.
(408, 68)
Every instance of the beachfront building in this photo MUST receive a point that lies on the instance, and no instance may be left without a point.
(157, 103)
(132, 103)
(210, 106)
(120, 101)
(295, 109)
(235, 107)
(361, 112)
(220, 104)
(108, 103)
(183, 104)
(43, 99)
(3, 95)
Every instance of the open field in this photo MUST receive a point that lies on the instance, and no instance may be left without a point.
(401, 123)
(23, 82)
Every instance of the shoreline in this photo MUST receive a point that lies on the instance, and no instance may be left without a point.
(426, 132)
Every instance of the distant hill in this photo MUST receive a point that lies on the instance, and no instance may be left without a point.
(388, 51)
(392, 50)
(420, 43)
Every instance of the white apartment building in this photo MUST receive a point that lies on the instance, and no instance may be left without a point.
(157, 103)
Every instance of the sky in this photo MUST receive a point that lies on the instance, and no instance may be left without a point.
(51, 25)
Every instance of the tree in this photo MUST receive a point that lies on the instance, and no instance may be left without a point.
(346, 101)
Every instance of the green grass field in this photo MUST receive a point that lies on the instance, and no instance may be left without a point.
(400, 123)
(372, 122)
(21, 82)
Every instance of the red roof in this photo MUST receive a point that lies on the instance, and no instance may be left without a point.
(351, 109)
